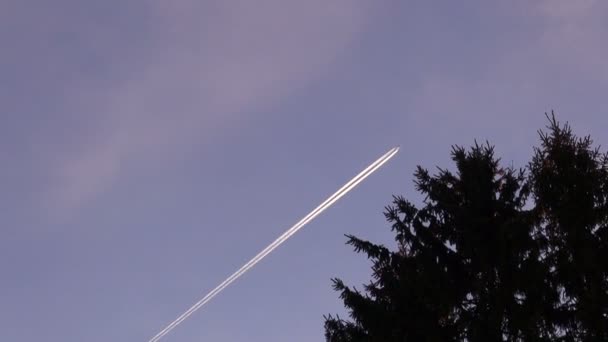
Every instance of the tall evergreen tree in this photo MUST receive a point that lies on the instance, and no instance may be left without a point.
(493, 254)
(569, 178)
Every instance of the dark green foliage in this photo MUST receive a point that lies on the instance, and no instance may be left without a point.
(570, 182)
(494, 253)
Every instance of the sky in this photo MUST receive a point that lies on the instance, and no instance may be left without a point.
(150, 148)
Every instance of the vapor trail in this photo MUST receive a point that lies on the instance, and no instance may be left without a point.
(291, 231)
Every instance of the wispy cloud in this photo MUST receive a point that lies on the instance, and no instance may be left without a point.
(523, 71)
(575, 34)
(565, 9)
(205, 65)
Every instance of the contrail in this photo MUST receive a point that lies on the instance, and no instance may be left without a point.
(291, 231)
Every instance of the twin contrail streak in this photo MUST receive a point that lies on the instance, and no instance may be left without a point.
(276, 243)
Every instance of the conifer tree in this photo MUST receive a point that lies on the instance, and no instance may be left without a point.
(493, 253)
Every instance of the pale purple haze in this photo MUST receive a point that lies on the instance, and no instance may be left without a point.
(150, 148)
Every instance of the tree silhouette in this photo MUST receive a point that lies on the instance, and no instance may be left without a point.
(493, 254)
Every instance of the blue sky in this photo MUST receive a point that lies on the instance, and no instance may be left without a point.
(150, 148)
